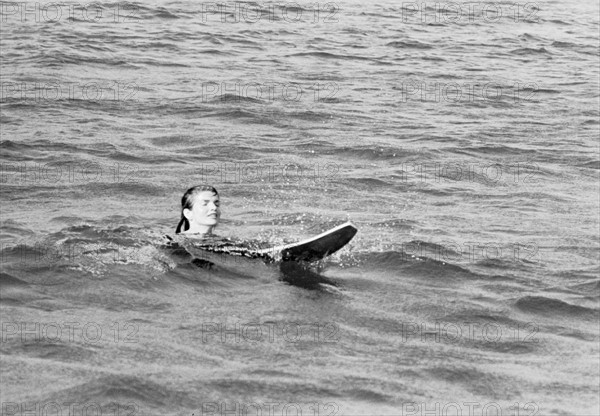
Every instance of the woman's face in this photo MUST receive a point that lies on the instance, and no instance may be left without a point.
(205, 210)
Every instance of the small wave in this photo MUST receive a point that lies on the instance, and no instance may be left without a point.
(530, 51)
(368, 395)
(592, 164)
(163, 13)
(60, 59)
(567, 45)
(96, 252)
(529, 36)
(132, 12)
(547, 91)
(213, 52)
(433, 58)
(505, 264)
(111, 389)
(572, 333)
(517, 347)
(242, 41)
(400, 224)
(24, 253)
(354, 31)
(12, 230)
(552, 307)
(471, 379)
(496, 149)
(39, 144)
(409, 45)
(432, 248)
(235, 98)
(588, 287)
(328, 55)
(50, 351)
(374, 183)
(6, 280)
(156, 62)
(413, 265)
(367, 152)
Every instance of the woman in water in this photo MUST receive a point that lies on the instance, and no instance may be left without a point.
(200, 212)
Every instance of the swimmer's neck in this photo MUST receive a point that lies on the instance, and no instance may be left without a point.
(204, 230)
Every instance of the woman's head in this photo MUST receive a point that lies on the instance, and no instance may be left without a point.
(200, 211)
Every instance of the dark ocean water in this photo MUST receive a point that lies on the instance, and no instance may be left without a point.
(463, 147)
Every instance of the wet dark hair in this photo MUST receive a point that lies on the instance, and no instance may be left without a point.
(187, 201)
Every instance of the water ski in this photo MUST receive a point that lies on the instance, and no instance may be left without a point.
(309, 250)
(315, 248)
